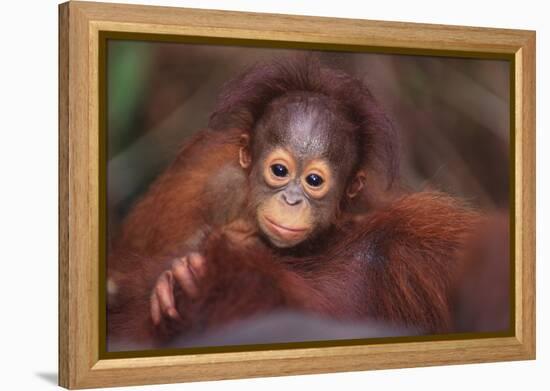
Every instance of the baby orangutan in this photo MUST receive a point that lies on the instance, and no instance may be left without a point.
(300, 166)
(287, 201)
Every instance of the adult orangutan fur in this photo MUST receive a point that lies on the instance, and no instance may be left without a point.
(196, 251)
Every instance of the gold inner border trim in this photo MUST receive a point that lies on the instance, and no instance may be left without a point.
(104, 36)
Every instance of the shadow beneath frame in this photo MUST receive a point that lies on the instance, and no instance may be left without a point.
(49, 377)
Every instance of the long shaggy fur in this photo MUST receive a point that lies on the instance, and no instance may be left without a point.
(395, 263)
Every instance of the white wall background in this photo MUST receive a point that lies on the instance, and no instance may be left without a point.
(28, 207)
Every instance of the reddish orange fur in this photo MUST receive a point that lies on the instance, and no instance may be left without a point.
(396, 262)
(173, 200)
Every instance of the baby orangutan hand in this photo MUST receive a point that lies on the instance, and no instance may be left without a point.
(186, 272)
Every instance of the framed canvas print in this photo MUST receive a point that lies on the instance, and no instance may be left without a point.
(255, 195)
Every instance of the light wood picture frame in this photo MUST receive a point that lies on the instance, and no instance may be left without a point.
(82, 27)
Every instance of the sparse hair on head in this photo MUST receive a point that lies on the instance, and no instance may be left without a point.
(244, 99)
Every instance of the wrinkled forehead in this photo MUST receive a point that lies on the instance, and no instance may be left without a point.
(309, 128)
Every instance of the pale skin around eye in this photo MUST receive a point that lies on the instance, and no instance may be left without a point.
(317, 167)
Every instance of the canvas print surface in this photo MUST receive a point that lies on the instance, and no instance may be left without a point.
(260, 196)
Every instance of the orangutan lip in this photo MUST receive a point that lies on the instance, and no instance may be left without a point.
(283, 228)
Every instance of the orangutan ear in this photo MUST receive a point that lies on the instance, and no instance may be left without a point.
(356, 184)
(244, 152)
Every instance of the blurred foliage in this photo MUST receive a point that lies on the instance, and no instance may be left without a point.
(452, 114)
(127, 79)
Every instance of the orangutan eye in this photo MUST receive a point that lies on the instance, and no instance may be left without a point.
(279, 170)
(314, 180)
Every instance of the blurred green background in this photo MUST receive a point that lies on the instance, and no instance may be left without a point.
(452, 114)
